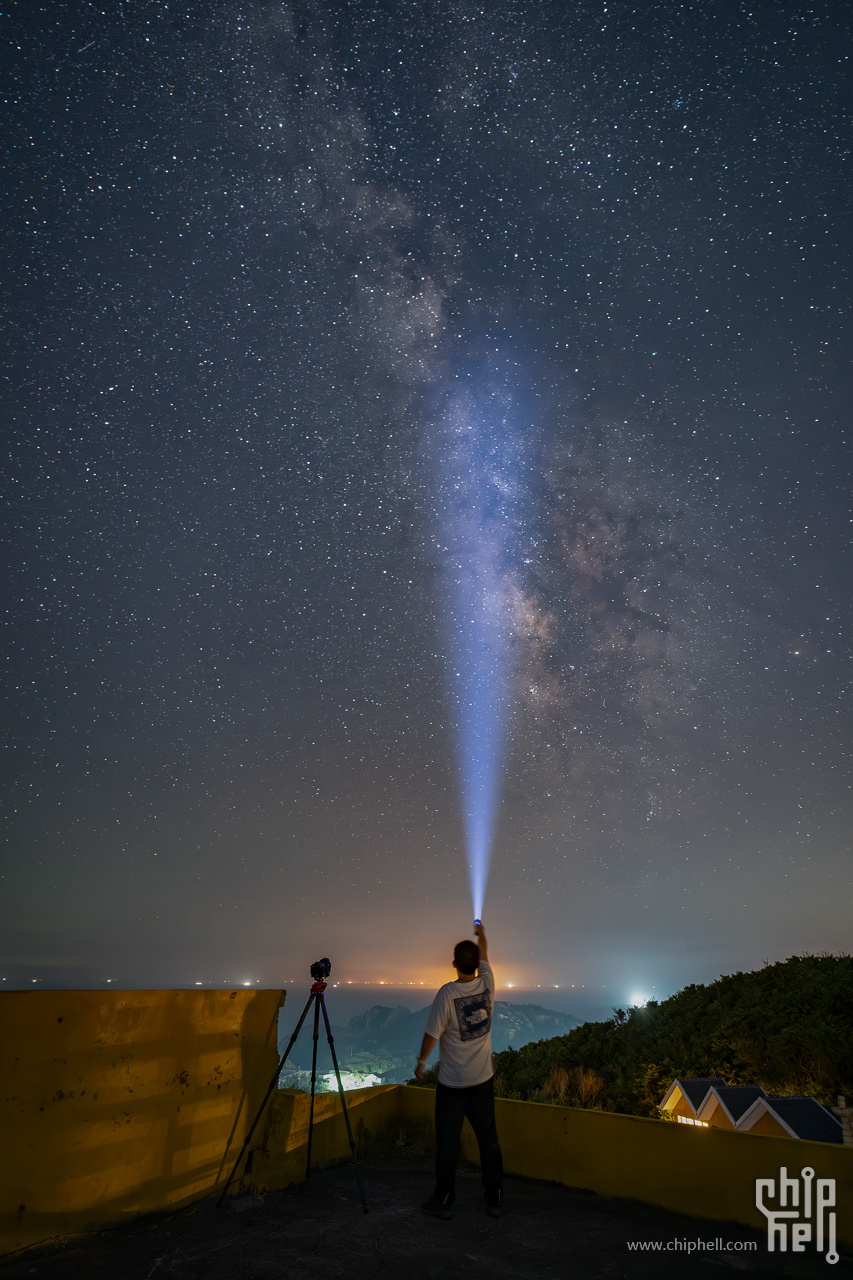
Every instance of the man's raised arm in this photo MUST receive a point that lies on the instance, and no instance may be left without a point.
(480, 935)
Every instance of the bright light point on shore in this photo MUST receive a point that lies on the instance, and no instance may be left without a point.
(247, 984)
(199, 984)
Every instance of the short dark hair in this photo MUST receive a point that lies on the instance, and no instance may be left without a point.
(466, 956)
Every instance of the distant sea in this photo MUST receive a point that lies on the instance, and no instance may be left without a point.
(343, 1002)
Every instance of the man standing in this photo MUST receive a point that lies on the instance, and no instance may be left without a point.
(461, 1022)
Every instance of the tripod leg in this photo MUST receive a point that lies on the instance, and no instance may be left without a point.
(343, 1100)
(313, 1083)
(260, 1112)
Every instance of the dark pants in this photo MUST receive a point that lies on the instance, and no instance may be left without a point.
(477, 1105)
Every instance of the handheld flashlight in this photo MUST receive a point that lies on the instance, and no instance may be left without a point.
(478, 922)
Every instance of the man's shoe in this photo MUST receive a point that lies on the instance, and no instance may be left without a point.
(494, 1207)
(438, 1208)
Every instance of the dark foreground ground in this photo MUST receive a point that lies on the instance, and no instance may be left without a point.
(317, 1231)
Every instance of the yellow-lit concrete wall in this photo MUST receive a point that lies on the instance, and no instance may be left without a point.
(705, 1173)
(120, 1103)
(282, 1159)
(116, 1103)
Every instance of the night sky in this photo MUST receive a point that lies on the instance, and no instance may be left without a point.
(259, 262)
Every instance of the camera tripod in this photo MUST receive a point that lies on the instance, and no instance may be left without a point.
(319, 971)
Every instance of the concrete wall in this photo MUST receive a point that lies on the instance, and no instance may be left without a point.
(116, 1103)
(704, 1173)
(282, 1159)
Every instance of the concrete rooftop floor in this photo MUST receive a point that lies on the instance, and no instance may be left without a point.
(317, 1231)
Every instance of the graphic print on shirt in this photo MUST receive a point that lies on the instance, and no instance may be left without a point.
(474, 1015)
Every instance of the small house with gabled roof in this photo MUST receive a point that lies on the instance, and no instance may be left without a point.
(796, 1117)
(725, 1104)
(709, 1102)
(685, 1096)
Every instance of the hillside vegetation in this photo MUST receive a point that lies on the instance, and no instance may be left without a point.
(787, 1027)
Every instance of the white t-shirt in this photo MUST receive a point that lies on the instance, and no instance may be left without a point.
(461, 1020)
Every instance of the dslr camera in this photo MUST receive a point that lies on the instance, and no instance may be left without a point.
(321, 969)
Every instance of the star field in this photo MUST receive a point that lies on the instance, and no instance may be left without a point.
(255, 259)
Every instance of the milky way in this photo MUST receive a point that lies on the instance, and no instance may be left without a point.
(260, 261)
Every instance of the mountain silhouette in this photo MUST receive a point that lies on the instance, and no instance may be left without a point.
(386, 1040)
